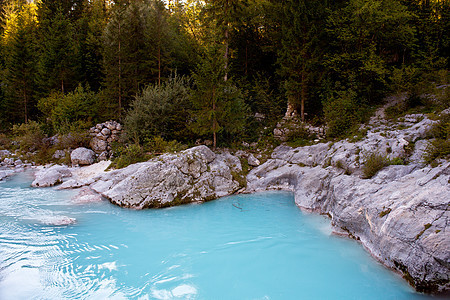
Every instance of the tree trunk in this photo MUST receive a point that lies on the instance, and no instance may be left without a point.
(303, 96)
(25, 106)
(226, 53)
(214, 119)
(120, 73)
(159, 64)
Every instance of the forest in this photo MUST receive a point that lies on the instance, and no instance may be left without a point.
(178, 71)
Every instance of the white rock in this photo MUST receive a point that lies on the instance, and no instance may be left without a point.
(253, 161)
(196, 174)
(106, 131)
(82, 156)
(51, 176)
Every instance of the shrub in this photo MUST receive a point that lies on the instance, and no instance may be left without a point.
(299, 136)
(373, 164)
(5, 142)
(73, 140)
(160, 111)
(343, 112)
(127, 155)
(440, 146)
(30, 136)
(74, 111)
(158, 145)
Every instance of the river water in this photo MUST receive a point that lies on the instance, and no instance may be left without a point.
(257, 246)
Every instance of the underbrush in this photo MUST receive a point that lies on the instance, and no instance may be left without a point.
(422, 100)
(125, 155)
(300, 137)
(439, 147)
(375, 162)
(34, 145)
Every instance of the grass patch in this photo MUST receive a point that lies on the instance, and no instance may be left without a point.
(385, 212)
(426, 226)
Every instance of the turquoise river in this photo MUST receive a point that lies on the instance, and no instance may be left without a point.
(257, 246)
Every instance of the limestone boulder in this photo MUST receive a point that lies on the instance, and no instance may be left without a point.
(82, 156)
(51, 176)
(194, 175)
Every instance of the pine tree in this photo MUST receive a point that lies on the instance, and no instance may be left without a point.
(218, 104)
(56, 47)
(223, 14)
(20, 61)
(302, 24)
(88, 44)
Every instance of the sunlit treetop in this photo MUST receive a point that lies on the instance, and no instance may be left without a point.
(16, 14)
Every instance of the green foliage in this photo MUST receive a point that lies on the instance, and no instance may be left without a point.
(126, 155)
(374, 163)
(73, 140)
(30, 136)
(343, 113)
(70, 112)
(422, 97)
(20, 56)
(301, 49)
(439, 147)
(141, 46)
(160, 111)
(56, 48)
(218, 105)
(299, 136)
(158, 145)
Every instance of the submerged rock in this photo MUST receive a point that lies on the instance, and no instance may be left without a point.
(86, 195)
(51, 176)
(58, 220)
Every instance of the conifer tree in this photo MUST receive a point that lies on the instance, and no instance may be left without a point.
(218, 104)
(20, 60)
(88, 44)
(56, 47)
(222, 14)
(302, 24)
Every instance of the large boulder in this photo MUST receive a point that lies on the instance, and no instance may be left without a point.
(51, 176)
(194, 175)
(82, 156)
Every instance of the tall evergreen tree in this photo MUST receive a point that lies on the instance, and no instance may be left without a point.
(223, 14)
(302, 29)
(19, 53)
(218, 104)
(88, 44)
(56, 47)
(140, 44)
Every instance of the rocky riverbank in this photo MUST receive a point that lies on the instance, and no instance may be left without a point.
(401, 215)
